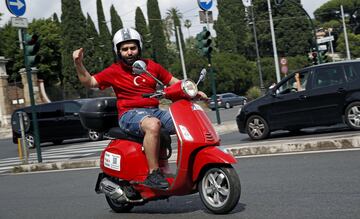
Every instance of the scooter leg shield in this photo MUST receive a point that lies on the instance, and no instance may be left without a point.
(210, 155)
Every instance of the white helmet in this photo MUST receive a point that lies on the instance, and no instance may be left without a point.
(126, 34)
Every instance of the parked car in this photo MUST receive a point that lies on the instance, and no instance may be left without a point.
(227, 100)
(329, 94)
(57, 121)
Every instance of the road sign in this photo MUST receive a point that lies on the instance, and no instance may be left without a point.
(19, 22)
(16, 7)
(202, 16)
(284, 69)
(205, 4)
(283, 61)
(325, 39)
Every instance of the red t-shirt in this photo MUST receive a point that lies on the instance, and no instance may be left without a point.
(129, 87)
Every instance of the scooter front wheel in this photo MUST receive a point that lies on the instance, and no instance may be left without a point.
(119, 207)
(220, 189)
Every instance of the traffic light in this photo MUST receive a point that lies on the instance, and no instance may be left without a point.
(204, 42)
(314, 58)
(31, 47)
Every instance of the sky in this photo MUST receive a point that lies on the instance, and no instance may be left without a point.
(126, 10)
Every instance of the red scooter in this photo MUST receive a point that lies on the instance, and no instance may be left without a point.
(201, 166)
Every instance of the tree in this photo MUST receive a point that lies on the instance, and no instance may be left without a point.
(293, 32)
(159, 50)
(174, 16)
(142, 28)
(331, 9)
(187, 24)
(92, 50)
(50, 50)
(73, 36)
(9, 48)
(116, 23)
(105, 40)
(230, 27)
(354, 42)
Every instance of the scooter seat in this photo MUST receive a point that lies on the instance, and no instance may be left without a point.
(118, 133)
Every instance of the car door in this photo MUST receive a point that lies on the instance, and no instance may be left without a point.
(71, 122)
(49, 116)
(326, 100)
(290, 108)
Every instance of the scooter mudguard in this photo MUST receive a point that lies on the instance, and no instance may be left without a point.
(210, 155)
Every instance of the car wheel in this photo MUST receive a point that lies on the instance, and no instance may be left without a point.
(95, 136)
(56, 142)
(257, 128)
(30, 140)
(227, 105)
(352, 115)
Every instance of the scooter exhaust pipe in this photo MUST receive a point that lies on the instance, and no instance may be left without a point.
(112, 190)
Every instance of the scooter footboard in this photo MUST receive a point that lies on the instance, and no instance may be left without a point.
(210, 155)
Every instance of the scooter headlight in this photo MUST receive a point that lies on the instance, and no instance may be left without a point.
(189, 87)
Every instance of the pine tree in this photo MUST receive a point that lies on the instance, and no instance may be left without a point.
(156, 26)
(92, 51)
(231, 27)
(116, 23)
(73, 37)
(142, 28)
(105, 40)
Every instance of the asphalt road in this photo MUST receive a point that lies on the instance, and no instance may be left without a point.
(317, 185)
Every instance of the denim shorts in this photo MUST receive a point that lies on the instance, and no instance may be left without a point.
(130, 121)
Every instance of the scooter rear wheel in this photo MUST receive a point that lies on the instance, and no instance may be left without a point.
(220, 189)
(117, 206)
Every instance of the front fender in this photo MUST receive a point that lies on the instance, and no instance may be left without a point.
(210, 155)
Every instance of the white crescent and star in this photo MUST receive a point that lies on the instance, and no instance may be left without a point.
(136, 81)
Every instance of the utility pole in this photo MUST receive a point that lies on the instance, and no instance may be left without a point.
(276, 58)
(345, 34)
(181, 53)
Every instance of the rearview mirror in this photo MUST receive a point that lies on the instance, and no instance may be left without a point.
(139, 67)
(202, 76)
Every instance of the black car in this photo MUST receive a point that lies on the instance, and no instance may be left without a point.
(227, 100)
(325, 94)
(57, 121)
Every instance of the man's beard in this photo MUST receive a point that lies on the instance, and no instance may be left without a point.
(130, 60)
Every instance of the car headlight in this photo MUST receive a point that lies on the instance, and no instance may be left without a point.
(189, 87)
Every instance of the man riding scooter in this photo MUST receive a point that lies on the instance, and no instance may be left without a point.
(138, 116)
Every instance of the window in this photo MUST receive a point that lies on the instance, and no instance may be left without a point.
(71, 108)
(291, 85)
(352, 71)
(328, 76)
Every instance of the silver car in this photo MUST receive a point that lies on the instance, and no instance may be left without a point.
(227, 100)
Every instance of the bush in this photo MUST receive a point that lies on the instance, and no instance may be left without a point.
(253, 93)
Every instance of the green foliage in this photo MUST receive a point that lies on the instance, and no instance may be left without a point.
(50, 50)
(10, 49)
(93, 50)
(354, 42)
(231, 27)
(105, 40)
(173, 15)
(116, 23)
(293, 31)
(156, 26)
(331, 9)
(253, 93)
(142, 28)
(73, 36)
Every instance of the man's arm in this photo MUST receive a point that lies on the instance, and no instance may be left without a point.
(84, 76)
(173, 80)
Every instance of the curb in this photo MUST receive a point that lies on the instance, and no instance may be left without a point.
(254, 148)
